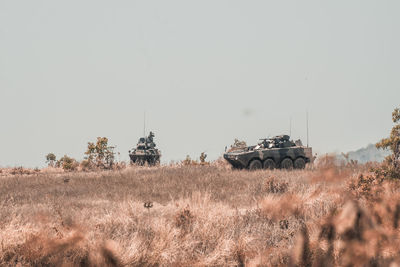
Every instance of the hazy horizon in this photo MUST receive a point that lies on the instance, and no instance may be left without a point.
(204, 72)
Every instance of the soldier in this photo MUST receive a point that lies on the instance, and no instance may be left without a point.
(265, 143)
(203, 157)
(150, 138)
(149, 141)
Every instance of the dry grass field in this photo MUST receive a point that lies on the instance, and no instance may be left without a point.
(200, 216)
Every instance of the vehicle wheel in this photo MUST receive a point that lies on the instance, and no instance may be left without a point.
(269, 164)
(255, 165)
(299, 163)
(287, 164)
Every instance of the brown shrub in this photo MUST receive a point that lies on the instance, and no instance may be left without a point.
(301, 252)
(67, 163)
(366, 185)
(273, 185)
(184, 220)
(22, 171)
(277, 208)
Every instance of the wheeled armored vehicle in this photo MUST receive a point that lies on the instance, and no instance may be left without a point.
(271, 153)
(145, 152)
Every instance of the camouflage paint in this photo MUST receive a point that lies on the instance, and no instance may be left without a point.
(241, 159)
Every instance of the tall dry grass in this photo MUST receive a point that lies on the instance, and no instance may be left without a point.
(200, 216)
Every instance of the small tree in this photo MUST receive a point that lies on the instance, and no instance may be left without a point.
(67, 163)
(51, 159)
(100, 154)
(391, 166)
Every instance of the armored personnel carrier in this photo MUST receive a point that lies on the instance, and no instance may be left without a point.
(271, 153)
(145, 152)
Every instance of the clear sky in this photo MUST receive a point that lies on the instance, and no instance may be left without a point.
(204, 72)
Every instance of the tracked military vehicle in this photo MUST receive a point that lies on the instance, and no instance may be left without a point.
(145, 152)
(271, 153)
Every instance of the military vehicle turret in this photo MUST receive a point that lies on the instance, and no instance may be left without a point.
(145, 152)
(271, 153)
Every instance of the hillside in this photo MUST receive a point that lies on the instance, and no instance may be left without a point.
(368, 154)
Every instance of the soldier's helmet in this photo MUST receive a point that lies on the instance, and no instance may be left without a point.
(286, 137)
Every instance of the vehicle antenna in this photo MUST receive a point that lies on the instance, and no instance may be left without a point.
(144, 123)
(307, 125)
(290, 126)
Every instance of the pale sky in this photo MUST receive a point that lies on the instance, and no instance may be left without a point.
(204, 72)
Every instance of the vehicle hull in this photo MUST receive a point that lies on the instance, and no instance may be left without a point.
(151, 157)
(242, 159)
